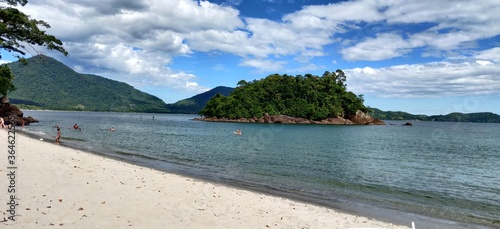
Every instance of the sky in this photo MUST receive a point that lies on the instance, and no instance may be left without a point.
(422, 57)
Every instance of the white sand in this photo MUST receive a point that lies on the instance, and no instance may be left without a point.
(65, 188)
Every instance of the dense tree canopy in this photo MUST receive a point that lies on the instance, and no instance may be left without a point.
(19, 34)
(311, 97)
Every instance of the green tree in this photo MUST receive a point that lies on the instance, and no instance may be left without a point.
(309, 96)
(6, 78)
(18, 32)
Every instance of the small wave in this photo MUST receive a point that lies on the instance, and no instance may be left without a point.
(35, 132)
(136, 155)
(73, 139)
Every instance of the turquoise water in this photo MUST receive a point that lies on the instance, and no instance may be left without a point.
(441, 175)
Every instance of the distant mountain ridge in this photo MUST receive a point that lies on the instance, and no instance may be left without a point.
(49, 84)
(484, 117)
(194, 104)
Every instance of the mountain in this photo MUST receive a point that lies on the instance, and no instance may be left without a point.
(194, 104)
(49, 84)
(396, 115)
(484, 117)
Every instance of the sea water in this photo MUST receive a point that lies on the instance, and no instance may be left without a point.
(440, 175)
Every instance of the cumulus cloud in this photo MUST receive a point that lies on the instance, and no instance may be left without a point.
(200, 26)
(479, 75)
(265, 65)
(137, 41)
(384, 46)
(490, 54)
(132, 38)
(443, 25)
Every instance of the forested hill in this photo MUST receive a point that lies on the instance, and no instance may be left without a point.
(194, 104)
(49, 84)
(310, 97)
(396, 115)
(485, 117)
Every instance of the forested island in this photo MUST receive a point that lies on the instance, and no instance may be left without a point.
(291, 99)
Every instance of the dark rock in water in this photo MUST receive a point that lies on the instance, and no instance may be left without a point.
(8, 110)
(408, 124)
(378, 122)
(362, 118)
(30, 119)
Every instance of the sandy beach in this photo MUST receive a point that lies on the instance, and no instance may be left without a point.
(56, 186)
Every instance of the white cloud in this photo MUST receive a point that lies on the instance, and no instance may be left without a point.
(452, 25)
(364, 10)
(305, 69)
(136, 41)
(478, 76)
(484, 62)
(384, 46)
(265, 65)
(133, 41)
(490, 54)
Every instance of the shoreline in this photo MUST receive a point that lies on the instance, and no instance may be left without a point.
(350, 207)
(360, 118)
(61, 186)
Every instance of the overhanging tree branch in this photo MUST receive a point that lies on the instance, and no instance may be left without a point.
(18, 30)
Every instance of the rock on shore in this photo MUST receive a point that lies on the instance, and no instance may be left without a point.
(7, 110)
(360, 118)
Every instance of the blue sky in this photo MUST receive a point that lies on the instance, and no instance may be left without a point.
(423, 57)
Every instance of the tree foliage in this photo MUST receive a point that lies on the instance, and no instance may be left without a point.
(311, 97)
(6, 78)
(18, 34)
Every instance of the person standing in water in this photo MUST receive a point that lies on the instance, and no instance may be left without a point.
(58, 138)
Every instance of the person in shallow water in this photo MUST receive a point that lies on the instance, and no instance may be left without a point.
(58, 137)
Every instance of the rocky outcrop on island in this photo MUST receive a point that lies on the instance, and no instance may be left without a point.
(360, 118)
(8, 110)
